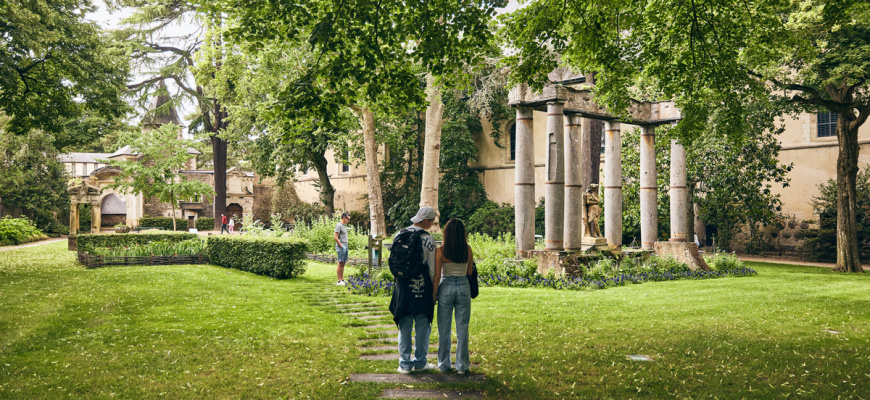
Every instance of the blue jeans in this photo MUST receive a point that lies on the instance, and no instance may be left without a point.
(454, 295)
(421, 340)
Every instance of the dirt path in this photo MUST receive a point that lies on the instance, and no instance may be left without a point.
(39, 243)
(792, 262)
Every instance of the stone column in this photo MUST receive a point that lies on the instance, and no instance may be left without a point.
(575, 173)
(73, 217)
(649, 217)
(96, 213)
(612, 184)
(679, 193)
(554, 186)
(524, 186)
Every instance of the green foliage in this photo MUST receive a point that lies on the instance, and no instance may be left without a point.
(55, 67)
(85, 218)
(460, 191)
(31, 176)
(320, 235)
(18, 230)
(165, 223)
(492, 220)
(723, 262)
(204, 224)
(821, 244)
(156, 172)
(277, 257)
(189, 247)
(88, 242)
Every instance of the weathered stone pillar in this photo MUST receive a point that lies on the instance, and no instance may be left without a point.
(96, 213)
(575, 173)
(612, 184)
(524, 186)
(649, 217)
(73, 217)
(554, 186)
(679, 193)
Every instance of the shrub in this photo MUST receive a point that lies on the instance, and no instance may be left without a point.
(492, 220)
(277, 257)
(821, 244)
(205, 224)
(163, 222)
(18, 230)
(304, 213)
(89, 242)
(724, 262)
(320, 235)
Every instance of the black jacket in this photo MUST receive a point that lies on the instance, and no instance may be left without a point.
(412, 297)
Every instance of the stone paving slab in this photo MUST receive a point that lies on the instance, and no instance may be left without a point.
(378, 326)
(374, 316)
(418, 378)
(362, 313)
(392, 332)
(391, 357)
(429, 394)
(380, 339)
(432, 346)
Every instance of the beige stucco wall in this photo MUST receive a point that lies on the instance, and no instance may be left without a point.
(815, 161)
(350, 186)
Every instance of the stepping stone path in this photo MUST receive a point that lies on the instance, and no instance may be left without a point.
(371, 313)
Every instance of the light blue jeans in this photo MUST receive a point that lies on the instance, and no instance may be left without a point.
(421, 340)
(454, 295)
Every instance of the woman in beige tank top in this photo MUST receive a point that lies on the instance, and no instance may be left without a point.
(453, 264)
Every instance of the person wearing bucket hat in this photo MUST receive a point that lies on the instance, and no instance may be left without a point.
(408, 313)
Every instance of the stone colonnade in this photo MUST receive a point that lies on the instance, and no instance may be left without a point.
(565, 172)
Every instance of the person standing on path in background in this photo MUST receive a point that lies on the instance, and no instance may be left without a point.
(453, 264)
(232, 226)
(224, 224)
(340, 238)
(412, 305)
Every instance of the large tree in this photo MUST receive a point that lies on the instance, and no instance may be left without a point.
(710, 57)
(55, 67)
(367, 54)
(188, 60)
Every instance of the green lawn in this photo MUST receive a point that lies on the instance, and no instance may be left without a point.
(205, 331)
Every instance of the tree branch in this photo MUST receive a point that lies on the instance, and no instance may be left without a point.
(183, 53)
(145, 82)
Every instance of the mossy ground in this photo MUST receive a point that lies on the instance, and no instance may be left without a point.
(205, 331)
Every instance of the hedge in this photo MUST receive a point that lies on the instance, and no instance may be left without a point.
(270, 256)
(163, 222)
(205, 224)
(15, 231)
(90, 241)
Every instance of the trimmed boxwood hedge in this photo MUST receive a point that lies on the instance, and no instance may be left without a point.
(270, 256)
(88, 242)
(205, 224)
(163, 222)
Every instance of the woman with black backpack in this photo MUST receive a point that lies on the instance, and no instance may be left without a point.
(454, 262)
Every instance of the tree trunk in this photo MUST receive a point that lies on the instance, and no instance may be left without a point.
(432, 148)
(373, 177)
(219, 150)
(847, 171)
(327, 191)
(172, 201)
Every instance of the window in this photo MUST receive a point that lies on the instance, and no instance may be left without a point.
(513, 140)
(827, 124)
(346, 167)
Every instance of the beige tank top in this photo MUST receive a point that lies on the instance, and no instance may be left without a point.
(454, 269)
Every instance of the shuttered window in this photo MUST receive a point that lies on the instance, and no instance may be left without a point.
(827, 124)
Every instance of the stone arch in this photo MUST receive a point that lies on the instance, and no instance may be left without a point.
(113, 210)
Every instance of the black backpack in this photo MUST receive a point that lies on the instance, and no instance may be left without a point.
(406, 255)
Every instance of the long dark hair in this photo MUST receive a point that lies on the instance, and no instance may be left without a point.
(455, 241)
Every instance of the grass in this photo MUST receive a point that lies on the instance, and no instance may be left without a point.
(205, 331)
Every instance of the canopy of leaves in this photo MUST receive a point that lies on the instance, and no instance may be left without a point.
(54, 66)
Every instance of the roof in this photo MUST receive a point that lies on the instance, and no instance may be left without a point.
(248, 174)
(82, 157)
(124, 151)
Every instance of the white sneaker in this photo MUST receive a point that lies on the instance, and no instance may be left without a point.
(341, 283)
(427, 367)
(404, 371)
